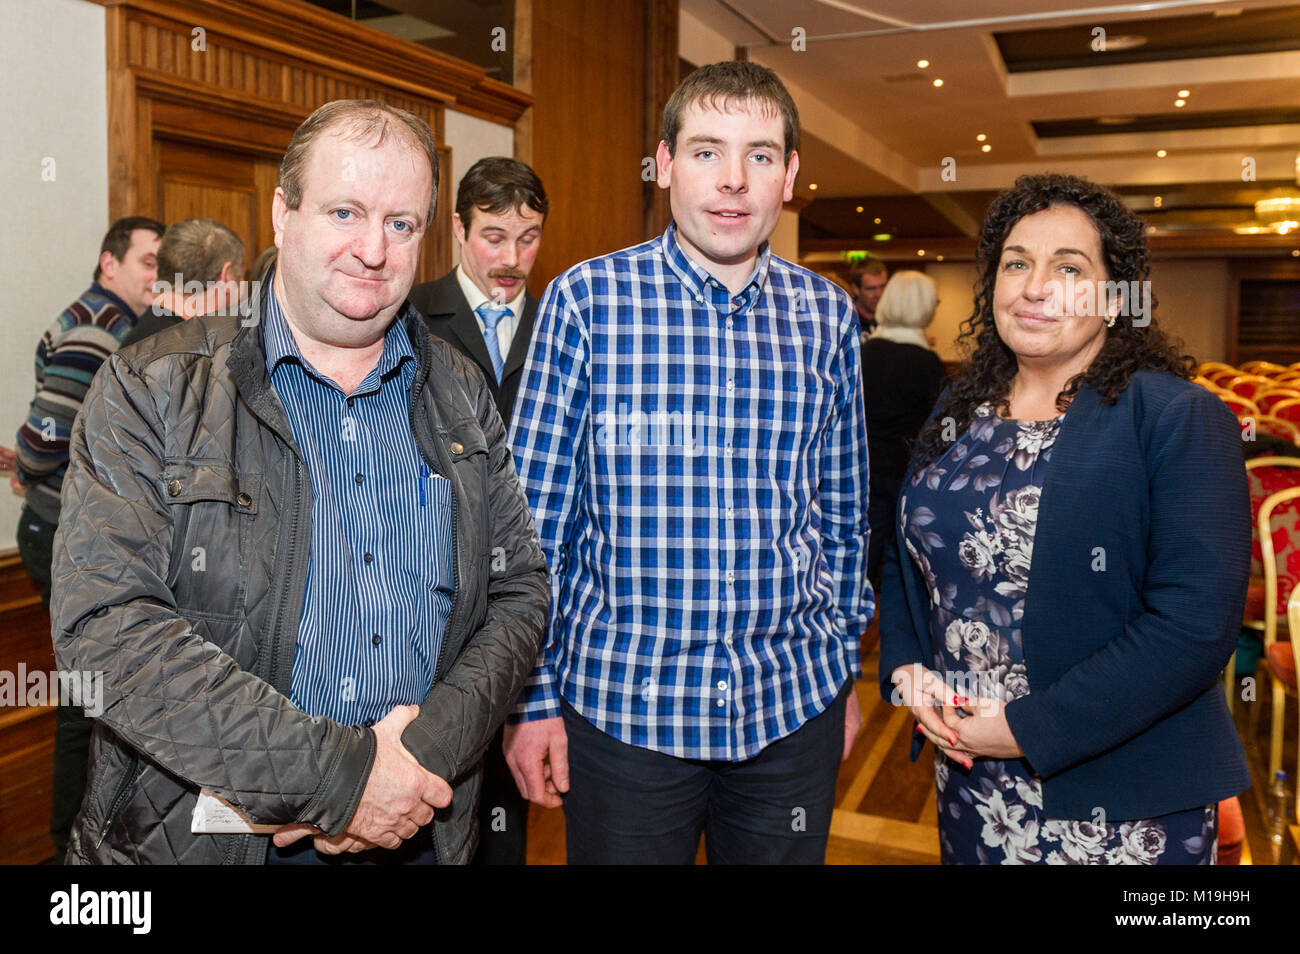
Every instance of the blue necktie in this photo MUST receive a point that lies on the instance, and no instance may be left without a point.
(491, 317)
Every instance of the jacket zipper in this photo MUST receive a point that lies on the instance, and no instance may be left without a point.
(119, 798)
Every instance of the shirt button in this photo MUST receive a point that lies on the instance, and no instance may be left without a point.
(368, 723)
(722, 685)
(727, 640)
(375, 639)
(360, 478)
(729, 322)
(731, 385)
(731, 512)
(731, 577)
(721, 703)
(369, 558)
(350, 400)
(730, 449)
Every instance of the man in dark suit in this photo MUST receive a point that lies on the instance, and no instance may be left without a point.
(482, 306)
(483, 309)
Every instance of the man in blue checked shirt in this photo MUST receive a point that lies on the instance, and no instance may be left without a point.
(691, 438)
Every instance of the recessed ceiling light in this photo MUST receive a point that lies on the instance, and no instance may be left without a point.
(1184, 93)
(1160, 153)
(938, 82)
(1295, 253)
(877, 221)
(1180, 103)
(1125, 41)
(1158, 201)
(812, 187)
(922, 64)
(986, 148)
(860, 209)
(938, 258)
(981, 137)
(920, 251)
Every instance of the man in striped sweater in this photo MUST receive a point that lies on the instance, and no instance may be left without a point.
(69, 354)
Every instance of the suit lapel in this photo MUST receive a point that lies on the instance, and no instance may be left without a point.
(465, 327)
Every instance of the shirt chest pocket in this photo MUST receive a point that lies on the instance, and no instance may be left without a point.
(214, 510)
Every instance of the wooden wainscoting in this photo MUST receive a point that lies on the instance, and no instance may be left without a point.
(26, 732)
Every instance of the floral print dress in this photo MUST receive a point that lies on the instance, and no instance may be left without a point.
(968, 520)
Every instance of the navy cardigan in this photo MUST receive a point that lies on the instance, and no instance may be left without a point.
(1136, 590)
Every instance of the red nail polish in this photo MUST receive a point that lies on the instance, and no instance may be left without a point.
(959, 700)
(917, 727)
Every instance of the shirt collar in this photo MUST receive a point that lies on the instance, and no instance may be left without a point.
(702, 284)
(475, 297)
(125, 308)
(281, 345)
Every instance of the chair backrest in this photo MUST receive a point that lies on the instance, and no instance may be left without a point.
(1287, 410)
(1265, 476)
(1221, 376)
(1278, 427)
(1262, 367)
(1247, 385)
(1278, 526)
(1239, 405)
(1274, 395)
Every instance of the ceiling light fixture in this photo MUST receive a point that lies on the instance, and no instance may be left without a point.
(922, 64)
(1180, 103)
(986, 148)
(860, 209)
(877, 221)
(981, 137)
(938, 82)
(1184, 93)
(920, 251)
(1160, 153)
(1159, 201)
(812, 187)
(938, 258)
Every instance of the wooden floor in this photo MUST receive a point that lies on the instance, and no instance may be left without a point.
(885, 805)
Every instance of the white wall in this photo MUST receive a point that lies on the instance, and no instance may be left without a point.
(472, 139)
(52, 72)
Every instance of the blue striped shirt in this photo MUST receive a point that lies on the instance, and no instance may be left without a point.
(380, 578)
(697, 468)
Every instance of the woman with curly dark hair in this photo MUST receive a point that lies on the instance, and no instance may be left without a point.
(1071, 560)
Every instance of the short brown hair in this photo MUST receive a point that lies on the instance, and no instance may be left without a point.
(362, 119)
(866, 266)
(196, 250)
(722, 85)
(118, 237)
(497, 184)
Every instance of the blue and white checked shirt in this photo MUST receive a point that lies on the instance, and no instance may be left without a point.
(697, 469)
(380, 578)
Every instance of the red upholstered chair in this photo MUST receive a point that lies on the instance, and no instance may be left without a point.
(1278, 526)
(1263, 367)
(1247, 385)
(1221, 376)
(1265, 476)
(1287, 410)
(1269, 396)
(1282, 665)
(1276, 427)
(1242, 407)
(1232, 831)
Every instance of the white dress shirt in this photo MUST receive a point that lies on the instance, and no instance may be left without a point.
(508, 323)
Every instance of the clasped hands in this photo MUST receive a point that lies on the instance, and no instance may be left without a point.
(399, 798)
(982, 732)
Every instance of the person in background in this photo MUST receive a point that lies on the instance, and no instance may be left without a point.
(866, 284)
(901, 379)
(265, 259)
(200, 266)
(482, 308)
(1072, 558)
(67, 357)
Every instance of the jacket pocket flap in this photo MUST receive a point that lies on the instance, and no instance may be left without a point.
(464, 442)
(184, 482)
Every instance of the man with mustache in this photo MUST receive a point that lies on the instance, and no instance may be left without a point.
(483, 309)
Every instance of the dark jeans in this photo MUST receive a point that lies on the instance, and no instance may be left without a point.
(502, 813)
(630, 805)
(72, 730)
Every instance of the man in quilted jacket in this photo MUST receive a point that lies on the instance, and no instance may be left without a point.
(295, 547)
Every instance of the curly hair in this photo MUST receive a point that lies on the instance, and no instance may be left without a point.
(990, 365)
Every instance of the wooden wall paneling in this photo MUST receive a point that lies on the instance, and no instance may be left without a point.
(661, 78)
(588, 128)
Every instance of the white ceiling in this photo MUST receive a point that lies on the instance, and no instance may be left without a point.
(875, 124)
